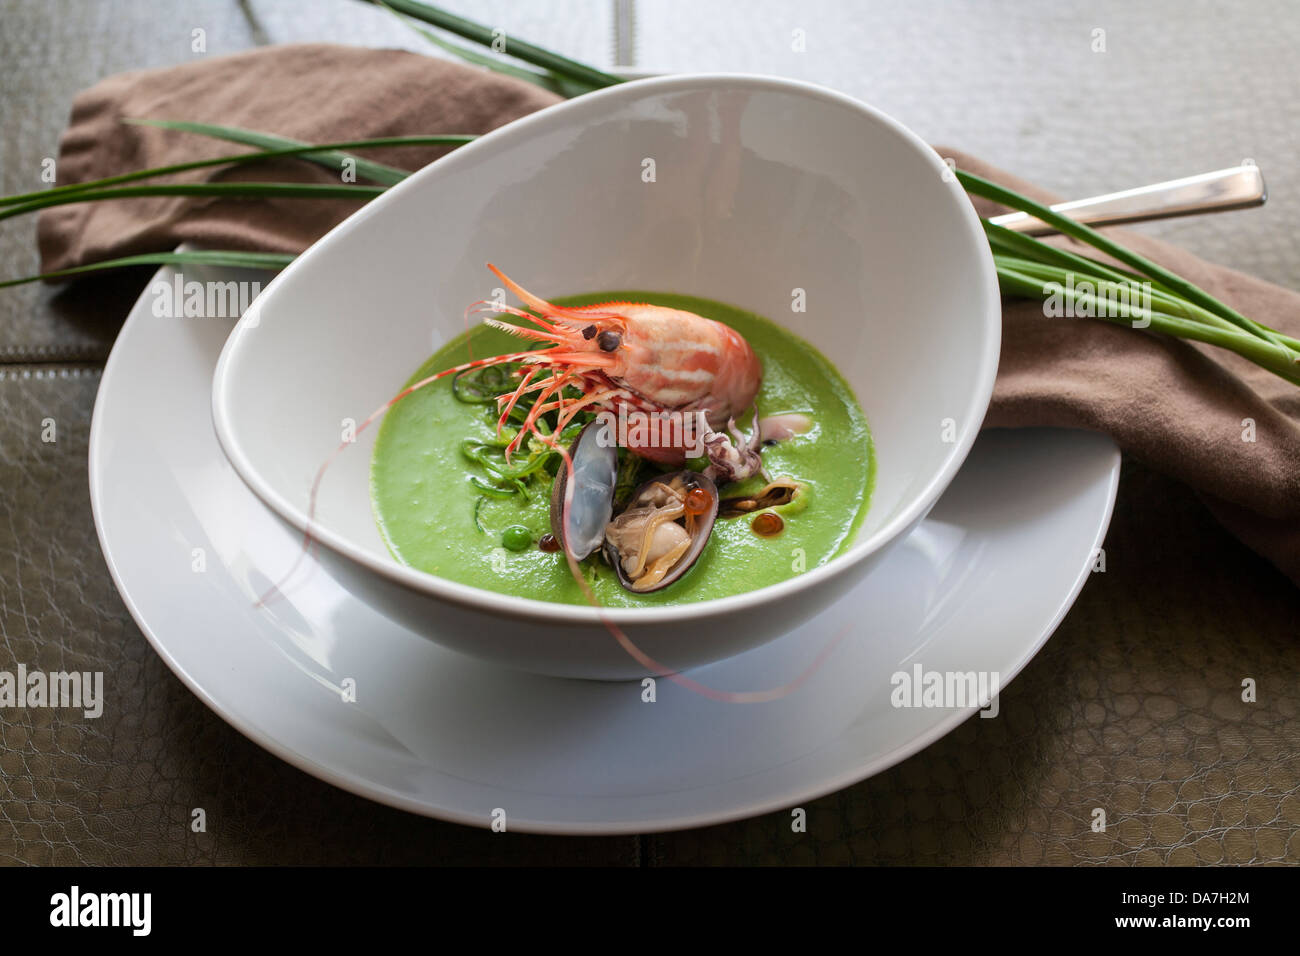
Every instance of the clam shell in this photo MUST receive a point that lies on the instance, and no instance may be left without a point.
(703, 530)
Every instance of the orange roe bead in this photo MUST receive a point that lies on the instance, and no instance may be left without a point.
(767, 524)
(697, 501)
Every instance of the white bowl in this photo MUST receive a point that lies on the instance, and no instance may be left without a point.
(761, 186)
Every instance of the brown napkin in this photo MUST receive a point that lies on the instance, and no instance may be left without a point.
(1181, 407)
(312, 92)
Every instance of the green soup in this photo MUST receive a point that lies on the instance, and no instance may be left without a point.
(434, 518)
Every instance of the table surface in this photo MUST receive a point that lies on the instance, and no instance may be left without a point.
(1133, 706)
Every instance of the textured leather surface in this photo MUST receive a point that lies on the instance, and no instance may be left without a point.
(120, 789)
(1134, 706)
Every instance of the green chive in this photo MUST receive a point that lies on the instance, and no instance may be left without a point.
(228, 190)
(207, 257)
(1067, 226)
(520, 49)
(302, 152)
(376, 172)
(561, 85)
(1276, 358)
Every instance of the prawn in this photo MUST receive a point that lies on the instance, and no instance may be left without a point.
(634, 356)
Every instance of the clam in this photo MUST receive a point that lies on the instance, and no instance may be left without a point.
(595, 469)
(655, 539)
(662, 531)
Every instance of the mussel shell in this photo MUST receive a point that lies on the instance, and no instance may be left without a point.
(775, 495)
(704, 528)
(595, 470)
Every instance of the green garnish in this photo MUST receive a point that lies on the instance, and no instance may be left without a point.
(517, 538)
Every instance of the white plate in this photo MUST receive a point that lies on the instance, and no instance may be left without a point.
(979, 586)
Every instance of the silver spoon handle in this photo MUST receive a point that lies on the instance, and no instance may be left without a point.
(1237, 188)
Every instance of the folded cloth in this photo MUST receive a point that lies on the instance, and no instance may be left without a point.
(313, 92)
(1222, 425)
